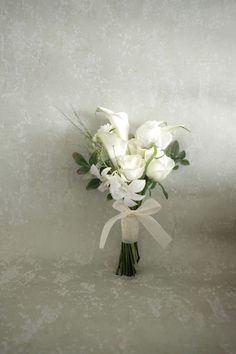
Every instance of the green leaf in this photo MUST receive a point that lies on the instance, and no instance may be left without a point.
(93, 158)
(82, 170)
(175, 149)
(181, 155)
(153, 185)
(79, 159)
(168, 150)
(176, 167)
(93, 184)
(163, 190)
(172, 150)
(185, 162)
(109, 196)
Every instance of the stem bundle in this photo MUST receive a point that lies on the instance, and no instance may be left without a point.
(129, 257)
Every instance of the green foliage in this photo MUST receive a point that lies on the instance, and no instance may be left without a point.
(109, 196)
(181, 155)
(93, 184)
(185, 162)
(79, 159)
(173, 152)
(153, 184)
(93, 158)
(83, 170)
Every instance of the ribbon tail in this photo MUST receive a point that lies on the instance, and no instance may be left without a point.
(106, 229)
(155, 229)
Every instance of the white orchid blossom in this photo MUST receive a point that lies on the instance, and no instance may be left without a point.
(119, 189)
(119, 121)
(132, 166)
(152, 132)
(159, 168)
(103, 176)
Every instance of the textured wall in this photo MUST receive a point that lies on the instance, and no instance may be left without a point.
(171, 60)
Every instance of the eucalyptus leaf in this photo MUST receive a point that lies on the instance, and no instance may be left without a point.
(79, 159)
(168, 150)
(185, 162)
(181, 155)
(83, 170)
(175, 149)
(93, 183)
(93, 158)
(172, 150)
(176, 167)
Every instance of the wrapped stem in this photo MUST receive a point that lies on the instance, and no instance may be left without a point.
(129, 254)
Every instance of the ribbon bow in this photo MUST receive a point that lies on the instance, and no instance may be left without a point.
(149, 207)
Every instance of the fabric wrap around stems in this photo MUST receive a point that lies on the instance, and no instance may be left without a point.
(130, 223)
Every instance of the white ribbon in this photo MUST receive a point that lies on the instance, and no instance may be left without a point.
(149, 207)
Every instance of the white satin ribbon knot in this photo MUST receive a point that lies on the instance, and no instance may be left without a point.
(143, 214)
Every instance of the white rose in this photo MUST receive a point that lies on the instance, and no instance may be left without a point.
(151, 132)
(114, 146)
(159, 168)
(119, 121)
(151, 153)
(135, 149)
(132, 166)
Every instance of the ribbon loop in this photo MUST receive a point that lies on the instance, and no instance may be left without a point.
(143, 215)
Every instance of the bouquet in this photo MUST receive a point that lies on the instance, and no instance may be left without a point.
(127, 166)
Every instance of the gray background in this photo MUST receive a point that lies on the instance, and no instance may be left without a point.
(164, 60)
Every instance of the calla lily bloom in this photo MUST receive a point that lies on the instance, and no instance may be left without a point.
(119, 121)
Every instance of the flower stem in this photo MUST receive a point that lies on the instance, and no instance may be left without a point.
(129, 257)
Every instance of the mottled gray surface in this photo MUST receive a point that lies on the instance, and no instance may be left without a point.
(165, 60)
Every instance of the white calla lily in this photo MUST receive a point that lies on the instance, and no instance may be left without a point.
(159, 168)
(114, 146)
(152, 132)
(132, 166)
(119, 121)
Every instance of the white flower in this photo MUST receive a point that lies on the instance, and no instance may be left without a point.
(159, 168)
(135, 149)
(114, 146)
(132, 166)
(151, 132)
(128, 192)
(119, 121)
(150, 153)
(106, 127)
(103, 176)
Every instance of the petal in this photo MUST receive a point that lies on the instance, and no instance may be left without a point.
(120, 122)
(113, 144)
(135, 196)
(105, 171)
(128, 202)
(94, 171)
(103, 187)
(104, 110)
(136, 186)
